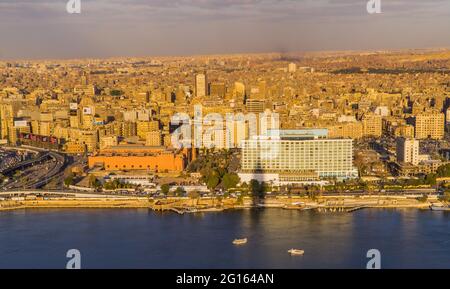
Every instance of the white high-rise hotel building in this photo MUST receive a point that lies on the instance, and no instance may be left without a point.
(300, 151)
(408, 151)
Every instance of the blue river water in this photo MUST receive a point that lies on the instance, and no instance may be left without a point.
(139, 238)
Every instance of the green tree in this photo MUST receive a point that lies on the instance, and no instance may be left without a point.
(443, 171)
(314, 195)
(69, 180)
(94, 182)
(230, 180)
(212, 182)
(194, 195)
(113, 185)
(179, 192)
(257, 189)
(165, 189)
(265, 188)
(364, 186)
(430, 179)
(108, 186)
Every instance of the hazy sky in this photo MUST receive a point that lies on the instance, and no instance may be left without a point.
(43, 28)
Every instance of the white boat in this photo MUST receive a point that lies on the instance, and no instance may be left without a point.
(439, 207)
(298, 204)
(240, 241)
(296, 252)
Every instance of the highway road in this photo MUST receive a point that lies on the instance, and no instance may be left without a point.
(38, 172)
(25, 164)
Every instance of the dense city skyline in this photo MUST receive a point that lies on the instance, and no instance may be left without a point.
(288, 134)
(194, 27)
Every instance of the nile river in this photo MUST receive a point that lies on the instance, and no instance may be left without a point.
(129, 238)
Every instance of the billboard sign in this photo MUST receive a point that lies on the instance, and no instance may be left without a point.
(20, 123)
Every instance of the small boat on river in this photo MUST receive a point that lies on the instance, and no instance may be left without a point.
(296, 252)
(240, 241)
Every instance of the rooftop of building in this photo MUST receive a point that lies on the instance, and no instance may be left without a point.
(298, 134)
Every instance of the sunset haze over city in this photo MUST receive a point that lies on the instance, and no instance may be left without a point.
(105, 28)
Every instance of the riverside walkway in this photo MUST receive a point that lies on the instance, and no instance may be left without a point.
(75, 194)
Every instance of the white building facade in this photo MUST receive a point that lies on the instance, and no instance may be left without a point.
(327, 158)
